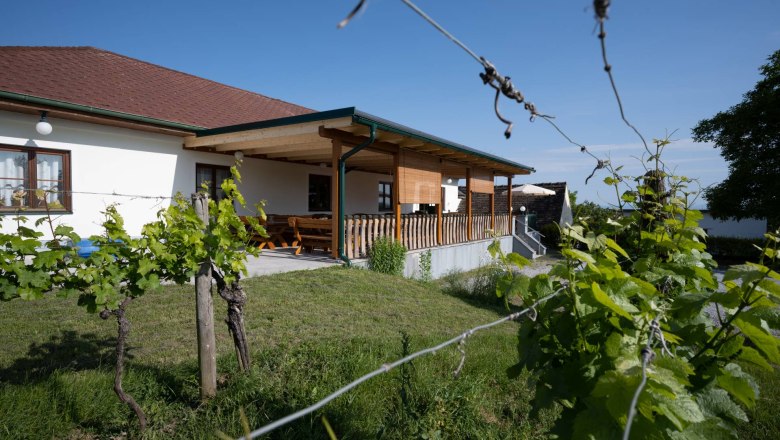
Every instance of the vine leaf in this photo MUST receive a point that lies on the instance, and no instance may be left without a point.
(602, 298)
(739, 385)
(758, 332)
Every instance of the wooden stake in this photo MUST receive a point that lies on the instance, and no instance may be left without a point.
(204, 310)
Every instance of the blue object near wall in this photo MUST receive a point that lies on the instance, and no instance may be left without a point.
(85, 248)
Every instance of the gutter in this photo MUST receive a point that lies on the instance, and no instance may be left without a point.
(96, 111)
(342, 167)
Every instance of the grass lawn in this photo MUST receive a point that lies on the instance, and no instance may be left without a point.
(311, 332)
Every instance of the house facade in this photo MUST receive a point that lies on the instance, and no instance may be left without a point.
(128, 132)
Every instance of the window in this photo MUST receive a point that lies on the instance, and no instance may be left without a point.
(319, 193)
(212, 176)
(34, 178)
(385, 196)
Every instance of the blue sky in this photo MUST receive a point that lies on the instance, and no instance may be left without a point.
(675, 63)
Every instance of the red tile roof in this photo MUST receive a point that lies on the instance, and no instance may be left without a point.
(109, 81)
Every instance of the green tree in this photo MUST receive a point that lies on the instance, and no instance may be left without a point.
(748, 135)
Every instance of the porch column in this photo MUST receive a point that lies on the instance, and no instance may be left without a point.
(509, 196)
(397, 194)
(493, 211)
(439, 219)
(468, 204)
(509, 204)
(334, 199)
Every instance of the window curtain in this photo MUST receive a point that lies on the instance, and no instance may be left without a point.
(13, 177)
(49, 173)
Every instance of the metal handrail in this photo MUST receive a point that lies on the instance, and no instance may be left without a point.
(526, 234)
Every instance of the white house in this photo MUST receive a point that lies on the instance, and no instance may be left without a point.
(129, 132)
(745, 228)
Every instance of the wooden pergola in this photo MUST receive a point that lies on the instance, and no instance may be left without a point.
(417, 161)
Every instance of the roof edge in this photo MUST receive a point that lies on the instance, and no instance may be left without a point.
(278, 122)
(425, 137)
(96, 111)
(362, 118)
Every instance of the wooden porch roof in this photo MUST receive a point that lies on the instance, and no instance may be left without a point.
(307, 139)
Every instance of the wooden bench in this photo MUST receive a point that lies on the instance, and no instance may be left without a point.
(312, 233)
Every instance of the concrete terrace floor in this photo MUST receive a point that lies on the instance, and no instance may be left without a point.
(284, 260)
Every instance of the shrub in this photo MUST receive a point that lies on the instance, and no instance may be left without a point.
(425, 265)
(478, 285)
(729, 249)
(387, 256)
(551, 235)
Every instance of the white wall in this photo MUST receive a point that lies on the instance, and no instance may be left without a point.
(747, 228)
(116, 160)
(451, 200)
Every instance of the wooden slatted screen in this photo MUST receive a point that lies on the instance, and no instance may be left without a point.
(481, 181)
(419, 178)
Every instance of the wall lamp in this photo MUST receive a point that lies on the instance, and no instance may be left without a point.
(239, 155)
(43, 127)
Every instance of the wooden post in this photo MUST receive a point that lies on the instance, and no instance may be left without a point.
(493, 211)
(204, 311)
(334, 199)
(397, 194)
(439, 219)
(468, 204)
(509, 204)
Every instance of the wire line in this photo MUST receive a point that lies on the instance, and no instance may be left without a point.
(601, 7)
(387, 367)
(67, 191)
(427, 18)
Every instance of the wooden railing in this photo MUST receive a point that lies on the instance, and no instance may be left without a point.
(418, 231)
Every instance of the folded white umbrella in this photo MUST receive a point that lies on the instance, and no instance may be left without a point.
(533, 190)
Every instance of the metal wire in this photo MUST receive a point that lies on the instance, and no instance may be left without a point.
(601, 7)
(452, 38)
(503, 84)
(647, 356)
(352, 14)
(66, 191)
(389, 366)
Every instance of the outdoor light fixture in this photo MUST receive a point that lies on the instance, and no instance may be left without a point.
(449, 180)
(239, 155)
(43, 127)
(522, 209)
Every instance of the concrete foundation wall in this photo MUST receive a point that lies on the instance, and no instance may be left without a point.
(457, 257)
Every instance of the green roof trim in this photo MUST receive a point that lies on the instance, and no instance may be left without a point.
(279, 122)
(360, 117)
(365, 118)
(97, 111)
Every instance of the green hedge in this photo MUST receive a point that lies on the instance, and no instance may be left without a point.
(734, 249)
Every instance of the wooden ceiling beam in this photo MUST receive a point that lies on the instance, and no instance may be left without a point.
(301, 153)
(272, 142)
(264, 133)
(282, 148)
(350, 139)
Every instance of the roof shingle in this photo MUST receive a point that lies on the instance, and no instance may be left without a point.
(106, 80)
